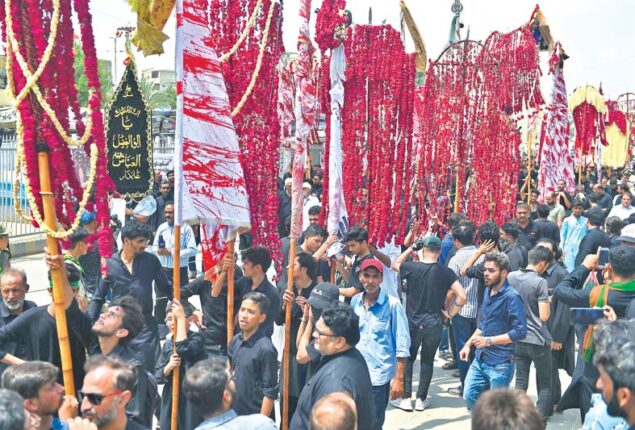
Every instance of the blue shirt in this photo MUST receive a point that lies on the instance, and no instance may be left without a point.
(502, 313)
(446, 247)
(384, 335)
(231, 421)
(188, 245)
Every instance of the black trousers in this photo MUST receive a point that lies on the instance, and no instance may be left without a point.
(428, 339)
(540, 355)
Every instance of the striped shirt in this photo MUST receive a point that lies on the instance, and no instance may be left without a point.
(456, 263)
(188, 244)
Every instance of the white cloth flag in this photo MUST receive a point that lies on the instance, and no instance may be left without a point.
(209, 181)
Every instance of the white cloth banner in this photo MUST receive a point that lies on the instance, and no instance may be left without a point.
(209, 181)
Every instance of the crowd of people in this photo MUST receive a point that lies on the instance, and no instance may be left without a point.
(490, 300)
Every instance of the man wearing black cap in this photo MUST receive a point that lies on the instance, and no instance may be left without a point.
(322, 296)
(434, 294)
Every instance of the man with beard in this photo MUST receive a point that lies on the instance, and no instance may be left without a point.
(121, 322)
(209, 387)
(595, 237)
(107, 389)
(158, 217)
(14, 287)
(564, 198)
(36, 382)
(502, 323)
(604, 200)
(618, 294)
(342, 368)
(613, 357)
(528, 232)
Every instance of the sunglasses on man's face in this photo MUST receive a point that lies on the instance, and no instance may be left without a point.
(96, 398)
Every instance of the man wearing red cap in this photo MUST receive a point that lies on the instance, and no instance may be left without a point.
(384, 337)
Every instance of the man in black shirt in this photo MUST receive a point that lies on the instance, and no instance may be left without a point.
(14, 287)
(304, 274)
(357, 243)
(547, 228)
(342, 368)
(36, 329)
(434, 294)
(595, 237)
(604, 200)
(158, 217)
(115, 328)
(256, 262)
(213, 300)
(106, 391)
(529, 231)
(564, 198)
(516, 253)
(132, 272)
(254, 360)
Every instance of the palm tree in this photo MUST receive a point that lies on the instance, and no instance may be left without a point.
(156, 98)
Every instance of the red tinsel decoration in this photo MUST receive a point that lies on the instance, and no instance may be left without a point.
(518, 83)
(257, 125)
(616, 116)
(377, 131)
(31, 27)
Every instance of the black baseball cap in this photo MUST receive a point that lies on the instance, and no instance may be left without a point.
(323, 295)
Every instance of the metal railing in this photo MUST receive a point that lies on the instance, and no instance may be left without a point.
(16, 226)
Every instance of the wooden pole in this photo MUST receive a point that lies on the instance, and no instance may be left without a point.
(287, 339)
(580, 167)
(230, 295)
(456, 191)
(528, 166)
(333, 269)
(176, 286)
(50, 218)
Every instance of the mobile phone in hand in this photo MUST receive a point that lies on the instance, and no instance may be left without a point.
(604, 257)
(586, 316)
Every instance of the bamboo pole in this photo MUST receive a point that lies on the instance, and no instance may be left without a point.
(528, 167)
(333, 265)
(50, 218)
(287, 339)
(230, 295)
(176, 286)
(456, 191)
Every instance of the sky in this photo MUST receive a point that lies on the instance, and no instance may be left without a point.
(598, 36)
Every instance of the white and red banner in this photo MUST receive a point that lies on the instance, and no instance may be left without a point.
(305, 104)
(209, 181)
(555, 160)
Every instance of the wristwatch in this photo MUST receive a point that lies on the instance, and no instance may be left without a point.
(488, 341)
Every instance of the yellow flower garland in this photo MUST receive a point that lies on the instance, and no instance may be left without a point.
(31, 86)
(32, 78)
(244, 34)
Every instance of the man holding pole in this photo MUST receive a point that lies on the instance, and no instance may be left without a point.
(132, 272)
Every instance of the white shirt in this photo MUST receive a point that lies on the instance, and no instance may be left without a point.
(390, 284)
(621, 212)
(188, 244)
(309, 202)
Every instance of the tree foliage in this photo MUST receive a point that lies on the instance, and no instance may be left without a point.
(81, 82)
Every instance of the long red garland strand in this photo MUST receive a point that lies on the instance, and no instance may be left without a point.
(257, 125)
(31, 26)
(377, 130)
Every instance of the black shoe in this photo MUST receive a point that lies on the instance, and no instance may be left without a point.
(450, 365)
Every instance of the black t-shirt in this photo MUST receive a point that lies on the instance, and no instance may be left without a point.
(428, 285)
(214, 308)
(36, 331)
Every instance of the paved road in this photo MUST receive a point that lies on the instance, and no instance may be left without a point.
(447, 412)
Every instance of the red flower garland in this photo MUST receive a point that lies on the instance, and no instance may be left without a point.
(31, 26)
(330, 24)
(377, 131)
(257, 125)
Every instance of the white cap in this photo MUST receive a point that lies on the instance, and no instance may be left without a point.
(628, 234)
